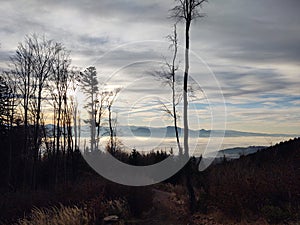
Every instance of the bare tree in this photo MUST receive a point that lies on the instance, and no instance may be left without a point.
(74, 78)
(187, 11)
(59, 89)
(22, 66)
(100, 108)
(32, 64)
(112, 128)
(168, 76)
(40, 78)
(43, 56)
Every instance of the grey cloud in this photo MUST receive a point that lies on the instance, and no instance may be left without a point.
(259, 31)
(243, 33)
(255, 82)
(123, 10)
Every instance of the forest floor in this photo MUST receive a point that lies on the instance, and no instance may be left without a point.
(169, 209)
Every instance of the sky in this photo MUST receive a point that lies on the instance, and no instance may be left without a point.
(247, 52)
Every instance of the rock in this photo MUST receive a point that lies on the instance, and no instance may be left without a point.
(112, 218)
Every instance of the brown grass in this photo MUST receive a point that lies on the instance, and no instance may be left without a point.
(63, 215)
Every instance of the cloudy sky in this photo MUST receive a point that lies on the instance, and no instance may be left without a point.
(248, 51)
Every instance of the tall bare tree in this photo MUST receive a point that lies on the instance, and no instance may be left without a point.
(59, 93)
(187, 11)
(22, 63)
(32, 66)
(74, 84)
(168, 76)
(59, 88)
(44, 52)
(35, 63)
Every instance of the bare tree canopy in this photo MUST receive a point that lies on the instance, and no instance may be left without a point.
(187, 10)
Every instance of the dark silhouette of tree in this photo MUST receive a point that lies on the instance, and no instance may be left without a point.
(58, 89)
(89, 85)
(187, 11)
(22, 66)
(6, 115)
(44, 52)
(4, 104)
(40, 79)
(100, 108)
(63, 84)
(112, 127)
(9, 103)
(32, 64)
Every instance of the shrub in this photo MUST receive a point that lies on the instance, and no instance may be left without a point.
(203, 201)
(274, 214)
(139, 199)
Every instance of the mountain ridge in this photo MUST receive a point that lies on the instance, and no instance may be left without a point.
(169, 131)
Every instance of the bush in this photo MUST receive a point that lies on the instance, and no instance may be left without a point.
(274, 214)
(100, 208)
(139, 199)
(202, 204)
(253, 185)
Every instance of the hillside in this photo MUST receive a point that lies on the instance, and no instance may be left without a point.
(265, 183)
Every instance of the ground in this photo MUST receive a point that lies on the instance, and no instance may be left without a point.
(169, 209)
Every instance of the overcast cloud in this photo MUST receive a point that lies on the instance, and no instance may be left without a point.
(252, 47)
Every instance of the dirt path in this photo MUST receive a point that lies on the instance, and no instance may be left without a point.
(170, 210)
(166, 211)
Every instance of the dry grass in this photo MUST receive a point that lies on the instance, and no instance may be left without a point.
(61, 215)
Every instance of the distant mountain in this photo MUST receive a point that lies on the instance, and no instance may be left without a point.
(169, 131)
(141, 131)
(235, 153)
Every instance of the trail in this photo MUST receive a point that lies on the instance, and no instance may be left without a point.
(166, 211)
(171, 210)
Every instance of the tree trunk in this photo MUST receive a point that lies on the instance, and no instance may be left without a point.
(175, 121)
(174, 91)
(189, 186)
(36, 139)
(111, 130)
(190, 189)
(185, 90)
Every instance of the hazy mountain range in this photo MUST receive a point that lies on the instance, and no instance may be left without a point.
(170, 132)
(140, 131)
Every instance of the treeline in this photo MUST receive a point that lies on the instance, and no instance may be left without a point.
(38, 89)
